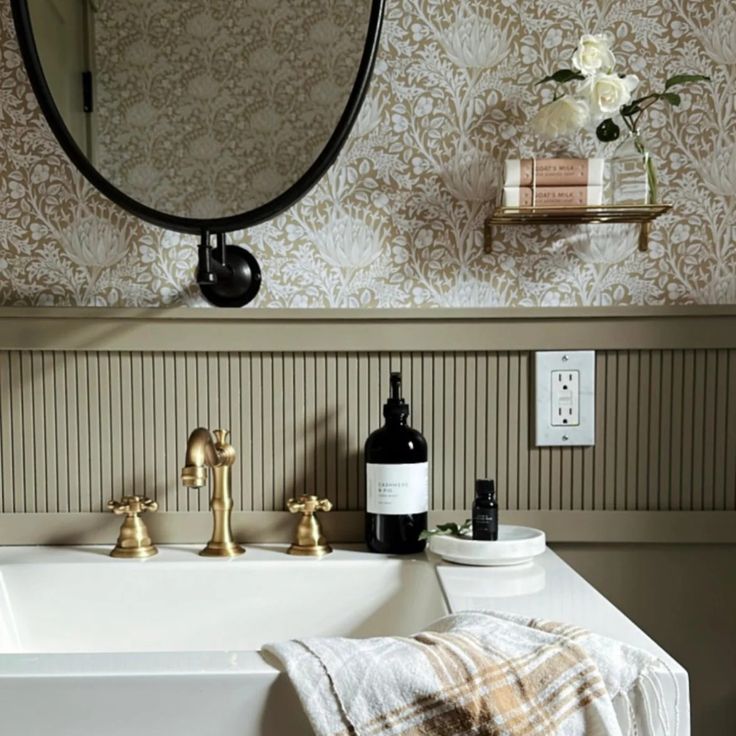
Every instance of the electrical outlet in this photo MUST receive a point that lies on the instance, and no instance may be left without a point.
(565, 398)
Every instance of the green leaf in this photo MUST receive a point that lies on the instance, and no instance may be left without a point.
(450, 528)
(684, 79)
(672, 97)
(631, 109)
(561, 76)
(608, 131)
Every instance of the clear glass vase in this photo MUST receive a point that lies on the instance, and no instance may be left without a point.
(632, 174)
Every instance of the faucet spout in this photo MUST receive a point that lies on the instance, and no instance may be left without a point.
(204, 452)
(201, 454)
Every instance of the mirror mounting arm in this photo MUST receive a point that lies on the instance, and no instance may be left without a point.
(210, 270)
(228, 275)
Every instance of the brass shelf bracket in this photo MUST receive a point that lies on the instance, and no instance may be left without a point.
(642, 214)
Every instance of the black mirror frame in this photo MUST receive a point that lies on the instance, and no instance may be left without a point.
(247, 219)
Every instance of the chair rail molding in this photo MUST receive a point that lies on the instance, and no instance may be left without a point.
(204, 330)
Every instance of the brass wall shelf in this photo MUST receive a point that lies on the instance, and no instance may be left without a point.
(575, 215)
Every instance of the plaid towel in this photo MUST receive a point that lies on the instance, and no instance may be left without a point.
(481, 673)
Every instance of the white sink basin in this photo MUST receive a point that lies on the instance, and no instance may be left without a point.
(209, 605)
(81, 633)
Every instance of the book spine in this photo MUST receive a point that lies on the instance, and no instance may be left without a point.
(554, 172)
(552, 196)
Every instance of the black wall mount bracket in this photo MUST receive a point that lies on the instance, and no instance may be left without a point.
(228, 275)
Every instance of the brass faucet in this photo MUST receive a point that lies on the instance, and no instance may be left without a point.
(218, 454)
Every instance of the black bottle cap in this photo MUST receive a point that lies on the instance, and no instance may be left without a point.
(485, 489)
(395, 406)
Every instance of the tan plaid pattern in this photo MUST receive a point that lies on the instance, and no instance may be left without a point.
(485, 692)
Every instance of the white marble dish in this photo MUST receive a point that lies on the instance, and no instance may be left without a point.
(515, 545)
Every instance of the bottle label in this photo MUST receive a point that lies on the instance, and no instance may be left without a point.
(485, 525)
(397, 489)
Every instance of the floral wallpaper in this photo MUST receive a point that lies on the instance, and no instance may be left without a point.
(399, 220)
(249, 90)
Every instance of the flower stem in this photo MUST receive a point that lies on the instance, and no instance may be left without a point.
(652, 183)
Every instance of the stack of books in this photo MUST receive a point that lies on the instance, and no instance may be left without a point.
(553, 182)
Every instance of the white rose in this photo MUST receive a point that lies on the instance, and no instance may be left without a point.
(564, 116)
(593, 54)
(607, 93)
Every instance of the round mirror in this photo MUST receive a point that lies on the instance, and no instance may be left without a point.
(201, 116)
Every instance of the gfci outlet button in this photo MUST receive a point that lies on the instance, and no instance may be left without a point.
(564, 398)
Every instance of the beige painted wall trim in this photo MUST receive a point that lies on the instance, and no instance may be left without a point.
(200, 330)
(79, 428)
(671, 527)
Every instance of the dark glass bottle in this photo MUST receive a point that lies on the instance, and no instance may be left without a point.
(485, 511)
(397, 481)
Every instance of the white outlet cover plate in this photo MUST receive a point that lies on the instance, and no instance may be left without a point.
(545, 363)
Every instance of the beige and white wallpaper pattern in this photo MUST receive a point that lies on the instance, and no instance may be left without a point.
(208, 74)
(399, 220)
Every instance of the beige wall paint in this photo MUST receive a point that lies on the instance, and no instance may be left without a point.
(684, 597)
(399, 220)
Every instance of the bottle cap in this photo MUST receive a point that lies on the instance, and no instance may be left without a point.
(395, 406)
(485, 489)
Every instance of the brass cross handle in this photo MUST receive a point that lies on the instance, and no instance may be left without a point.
(310, 541)
(308, 504)
(132, 505)
(134, 540)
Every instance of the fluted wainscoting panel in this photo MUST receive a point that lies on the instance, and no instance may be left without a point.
(78, 428)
